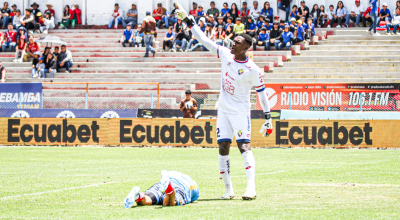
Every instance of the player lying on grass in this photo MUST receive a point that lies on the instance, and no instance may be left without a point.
(175, 188)
(239, 74)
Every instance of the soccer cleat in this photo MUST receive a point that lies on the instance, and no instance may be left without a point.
(249, 194)
(132, 197)
(164, 183)
(228, 194)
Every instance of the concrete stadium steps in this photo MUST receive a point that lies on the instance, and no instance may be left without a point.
(333, 80)
(347, 53)
(364, 37)
(329, 76)
(362, 42)
(345, 48)
(354, 56)
(354, 31)
(345, 64)
(348, 70)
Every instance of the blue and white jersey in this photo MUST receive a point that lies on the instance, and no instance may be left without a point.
(184, 182)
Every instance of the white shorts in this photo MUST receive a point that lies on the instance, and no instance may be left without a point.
(232, 124)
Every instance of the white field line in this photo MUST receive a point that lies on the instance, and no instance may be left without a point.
(99, 184)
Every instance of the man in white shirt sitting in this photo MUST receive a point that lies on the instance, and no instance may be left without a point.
(395, 23)
(256, 11)
(356, 14)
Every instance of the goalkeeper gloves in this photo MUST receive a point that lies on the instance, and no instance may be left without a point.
(266, 128)
(182, 14)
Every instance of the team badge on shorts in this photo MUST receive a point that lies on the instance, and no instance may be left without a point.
(240, 72)
(240, 133)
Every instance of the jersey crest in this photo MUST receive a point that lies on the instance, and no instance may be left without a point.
(240, 72)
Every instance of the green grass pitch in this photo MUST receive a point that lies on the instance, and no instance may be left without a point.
(91, 183)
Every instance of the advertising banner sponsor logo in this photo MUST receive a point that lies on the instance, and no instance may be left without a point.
(69, 113)
(195, 132)
(201, 114)
(21, 96)
(334, 97)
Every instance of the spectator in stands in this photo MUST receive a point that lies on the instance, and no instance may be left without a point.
(46, 52)
(40, 65)
(268, 25)
(384, 14)
(39, 23)
(180, 40)
(20, 49)
(28, 20)
(2, 73)
(238, 28)
(262, 40)
(149, 28)
(340, 15)
(315, 14)
(22, 31)
(250, 27)
(50, 9)
(5, 15)
(356, 14)
(255, 11)
(10, 39)
(50, 66)
(229, 23)
(65, 21)
(56, 53)
(220, 22)
(127, 36)
(75, 16)
(211, 20)
(220, 35)
(168, 39)
(303, 10)
(17, 19)
(193, 41)
(330, 15)
(212, 11)
(35, 61)
(157, 14)
(194, 11)
(397, 6)
(35, 11)
(200, 13)
(13, 12)
(188, 112)
(284, 5)
(65, 59)
(286, 38)
(282, 24)
(275, 35)
(202, 24)
(310, 30)
(234, 13)
(225, 12)
(260, 22)
(298, 33)
(32, 48)
(244, 12)
(116, 17)
(171, 17)
(292, 25)
(48, 23)
(367, 17)
(323, 16)
(229, 36)
(374, 9)
(178, 26)
(294, 12)
(210, 33)
(139, 40)
(276, 18)
(395, 23)
(267, 11)
(132, 16)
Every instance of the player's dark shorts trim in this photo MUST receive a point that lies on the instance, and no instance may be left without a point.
(154, 193)
(225, 140)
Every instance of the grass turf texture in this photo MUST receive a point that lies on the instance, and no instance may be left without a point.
(91, 183)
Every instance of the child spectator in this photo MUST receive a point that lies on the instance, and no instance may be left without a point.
(323, 16)
(20, 49)
(340, 15)
(287, 37)
(384, 14)
(56, 52)
(220, 35)
(66, 18)
(10, 39)
(35, 61)
(211, 20)
(260, 21)
(330, 15)
(298, 33)
(168, 39)
(127, 36)
(293, 12)
(238, 28)
(180, 39)
(250, 27)
(267, 25)
(132, 15)
(267, 11)
(202, 24)
(17, 19)
(39, 68)
(262, 40)
(5, 15)
(32, 48)
(293, 25)
(225, 12)
(200, 13)
(234, 13)
(50, 66)
(275, 35)
(220, 22)
(48, 23)
(310, 30)
(229, 23)
(356, 13)
(395, 23)
(139, 36)
(116, 17)
(50, 9)
(75, 16)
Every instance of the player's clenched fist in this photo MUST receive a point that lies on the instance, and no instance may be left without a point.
(266, 128)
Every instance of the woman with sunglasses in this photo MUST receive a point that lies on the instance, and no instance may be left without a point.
(267, 11)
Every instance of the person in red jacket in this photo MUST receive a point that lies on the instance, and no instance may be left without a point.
(367, 16)
(75, 16)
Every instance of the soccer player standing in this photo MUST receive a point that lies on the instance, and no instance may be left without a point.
(239, 74)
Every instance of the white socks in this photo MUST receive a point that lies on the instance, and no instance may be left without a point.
(250, 168)
(224, 166)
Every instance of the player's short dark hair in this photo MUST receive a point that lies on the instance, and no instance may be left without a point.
(188, 92)
(247, 39)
